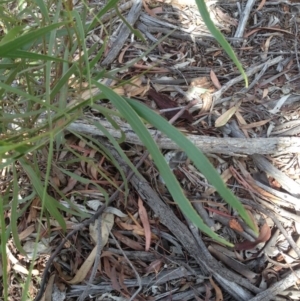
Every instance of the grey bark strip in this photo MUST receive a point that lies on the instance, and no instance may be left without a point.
(227, 146)
(124, 33)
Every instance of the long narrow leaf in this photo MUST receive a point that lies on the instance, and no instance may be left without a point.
(199, 159)
(3, 250)
(18, 42)
(50, 203)
(164, 169)
(219, 37)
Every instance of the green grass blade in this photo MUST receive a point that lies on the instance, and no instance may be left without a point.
(171, 182)
(11, 34)
(101, 13)
(3, 250)
(49, 202)
(219, 37)
(33, 56)
(44, 10)
(199, 159)
(21, 41)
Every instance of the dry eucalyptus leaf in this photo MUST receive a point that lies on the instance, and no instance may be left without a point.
(107, 222)
(85, 268)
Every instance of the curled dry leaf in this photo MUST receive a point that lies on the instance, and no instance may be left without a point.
(264, 235)
(135, 88)
(219, 295)
(207, 100)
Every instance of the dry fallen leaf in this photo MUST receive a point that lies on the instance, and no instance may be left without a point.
(235, 225)
(154, 266)
(226, 175)
(260, 6)
(214, 79)
(85, 268)
(49, 288)
(264, 235)
(219, 295)
(107, 222)
(224, 118)
(145, 221)
(71, 182)
(127, 241)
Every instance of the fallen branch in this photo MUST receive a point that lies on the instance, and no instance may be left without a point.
(227, 146)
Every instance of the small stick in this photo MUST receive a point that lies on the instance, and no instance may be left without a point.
(244, 19)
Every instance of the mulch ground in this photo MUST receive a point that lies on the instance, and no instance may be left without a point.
(148, 249)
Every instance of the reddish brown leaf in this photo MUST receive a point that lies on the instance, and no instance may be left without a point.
(128, 242)
(214, 79)
(164, 102)
(107, 268)
(217, 211)
(235, 225)
(264, 235)
(219, 295)
(72, 182)
(154, 266)
(207, 293)
(246, 245)
(145, 221)
(114, 281)
(122, 279)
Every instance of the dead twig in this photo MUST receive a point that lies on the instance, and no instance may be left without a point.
(244, 19)
(228, 146)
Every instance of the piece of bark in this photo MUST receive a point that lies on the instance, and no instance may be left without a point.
(124, 33)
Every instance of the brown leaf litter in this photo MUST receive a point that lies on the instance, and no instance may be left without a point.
(251, 136)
